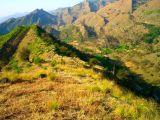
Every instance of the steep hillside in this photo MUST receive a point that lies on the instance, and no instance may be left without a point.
(38, 17)
(112, 10)
(137, 3)
(49, 79)
(92, 22)
(149, 13)
(9, 43)
(126, 36)
(104, 20)
(116, 20)
(70, 14)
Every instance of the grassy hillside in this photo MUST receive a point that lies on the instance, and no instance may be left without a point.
(130, 38)
(49, 79)
(11, 35)
(9, 43)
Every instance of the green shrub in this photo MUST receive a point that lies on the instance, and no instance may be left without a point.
(28, 65)
(13, 65)
(95, 89)
(154, 32)
(122, 47)
(53, 63)
(93, 61)
(37, 60)
(99, 57)
(87, 50)
(106, 50)
(52, 76)
(53, 105)
(67, 40)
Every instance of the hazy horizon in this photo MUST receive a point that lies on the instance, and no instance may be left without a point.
(8, 7)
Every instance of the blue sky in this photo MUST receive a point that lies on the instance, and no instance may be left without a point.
(9, 7)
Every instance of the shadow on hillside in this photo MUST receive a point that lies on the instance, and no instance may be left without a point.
(114, 70)
(10, 47)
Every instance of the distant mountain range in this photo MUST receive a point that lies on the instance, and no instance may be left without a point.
(60, 16)
(69, 15)
(38, 17)
(16, 15)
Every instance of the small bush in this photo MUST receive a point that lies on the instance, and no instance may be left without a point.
(122, 48)
(63, 61)
(52, 76)
(28, 65)
(95, 89)
(53, 63)
(37, 60)
(93, 61)
(53, 105)
(82, 74)
(106, 50)
(87, 50)
(153, 33)
(13, 65)
(67, 40)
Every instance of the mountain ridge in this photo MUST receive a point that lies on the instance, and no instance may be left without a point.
(38, 17)
(63, 16)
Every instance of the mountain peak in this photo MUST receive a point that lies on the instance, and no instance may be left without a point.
(38, 10)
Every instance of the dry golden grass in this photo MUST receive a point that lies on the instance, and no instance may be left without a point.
(69, 91)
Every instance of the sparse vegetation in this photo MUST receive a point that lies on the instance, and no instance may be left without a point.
(93, 61)
(13, 65)
(52, 76)
(154, 32)
(106, 51)
(149, 12)
(53, 105)
(70, 33)
(37, 60)
(53, 63)
(9, 36)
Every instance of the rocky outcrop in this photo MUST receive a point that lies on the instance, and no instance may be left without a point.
(71, 14)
